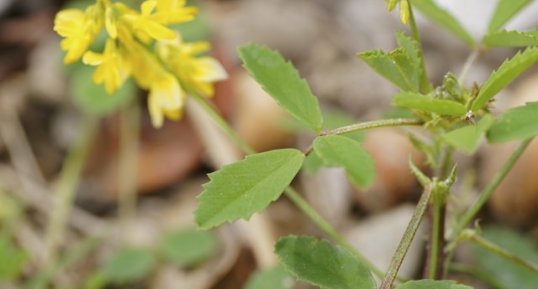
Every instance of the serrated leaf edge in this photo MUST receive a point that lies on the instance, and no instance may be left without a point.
(529, 54)
(317, 241)
(211, 177)
(317, 126)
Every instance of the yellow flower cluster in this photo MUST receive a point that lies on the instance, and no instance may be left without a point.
(141, 45)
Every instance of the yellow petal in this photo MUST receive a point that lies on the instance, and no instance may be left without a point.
(92, 58)
(75, 49)
(212, 70)
(110, 23)
(168, 92)
(69, 21)
(148, 6)
(177, 16)
(158, 31)
(155, 112)
(174, 114)
(165, 5)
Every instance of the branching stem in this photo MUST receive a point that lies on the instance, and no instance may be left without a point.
(373, 124)
(502, 252)
(295, 197)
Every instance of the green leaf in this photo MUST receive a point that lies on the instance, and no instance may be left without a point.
(504, 271)
(273, 278)
(468, 138)
(241, 189)
(386, 65)
(344, 152)
(282, 81)
(432, 284)
(333, 118)
(505, 10)
(129, 265)
(505, 74)
(429, 104)
(413, 51)
(517, 123)
(444, 19)
(322, 264)
(92, 98)
(12, 259)
(511, 38)
(188, 247)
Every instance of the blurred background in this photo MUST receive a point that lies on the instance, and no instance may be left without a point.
(68, 151)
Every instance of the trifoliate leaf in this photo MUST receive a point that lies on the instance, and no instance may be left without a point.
(504, 11)
(444, 19)
(188, 247)
(282, 81)
(241, 189)
(428, 104)
(505, 74)
(515, 124)
(468, 138)
(511, 38)
(322, 264)
(432, 284)
(344, 152)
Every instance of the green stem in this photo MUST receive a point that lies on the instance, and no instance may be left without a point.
(223, 124)
(437, 236)
(502, 252)
(486, 193)
(425, 85)
(407, 238)
(128, 161)
(295, 197)
(373, 124)
(328, 229)
(65, 190)
(435, 261)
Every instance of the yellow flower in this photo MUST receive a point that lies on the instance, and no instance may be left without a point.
(79, 29)
(195, 73)
(146, 23)
(174, 11)
(165, 99)
(110, 67)
(166, 69)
